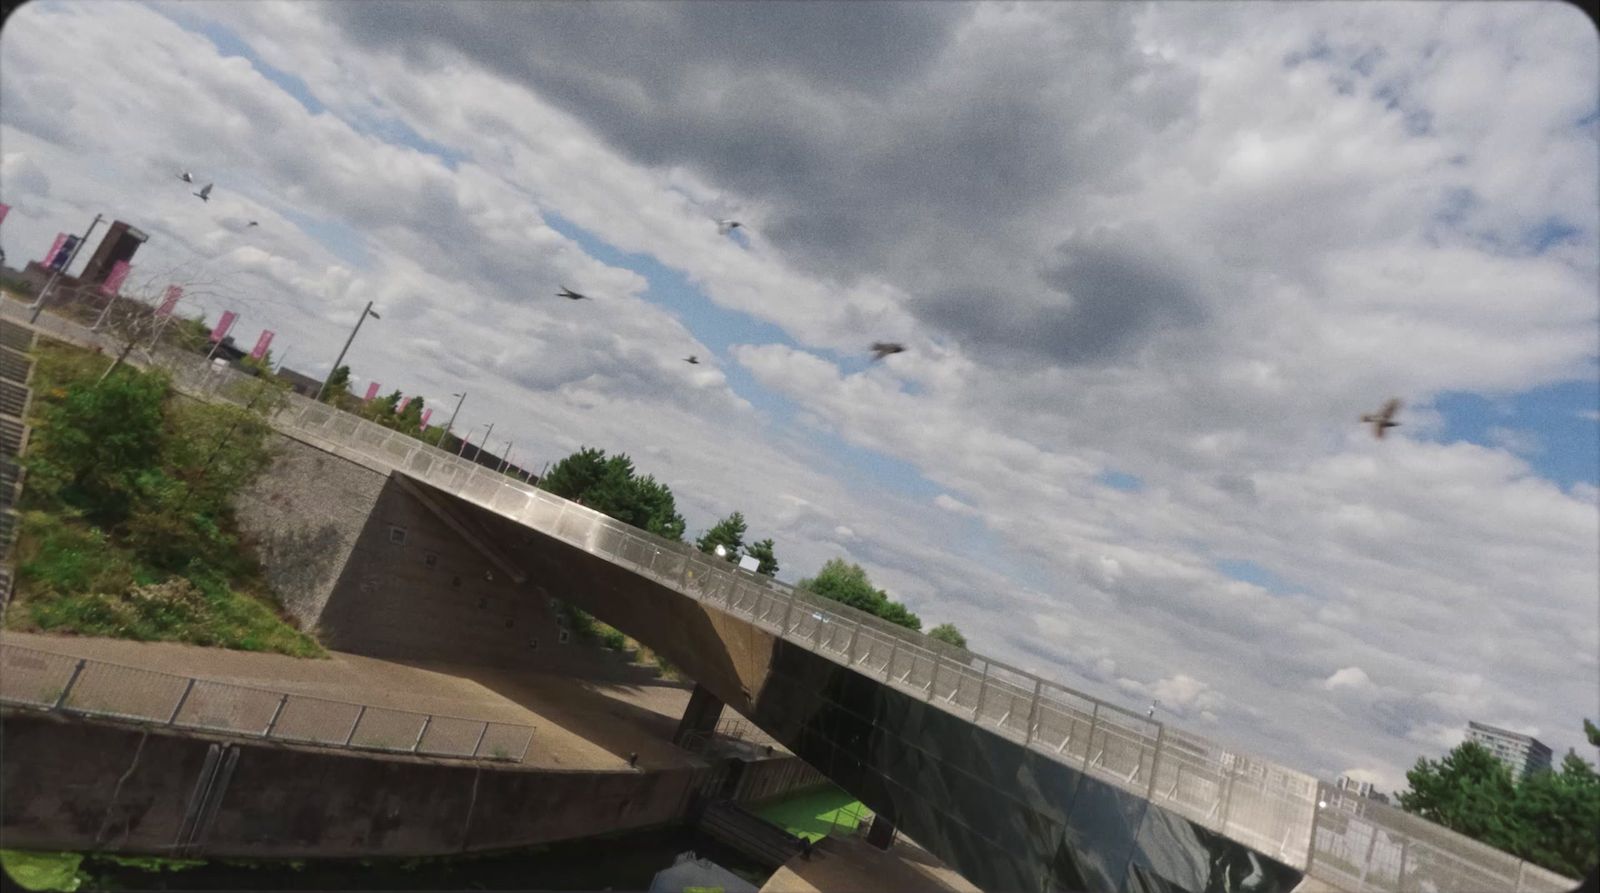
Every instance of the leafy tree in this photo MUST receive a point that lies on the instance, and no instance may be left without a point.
(381, 409)
(1592, 732)
(764, 552)
(97, 446)
(1550, 818)
(338, 385)
(947, 633)
(848, 583)
(609, 485)
(728, 533)
(410, 420)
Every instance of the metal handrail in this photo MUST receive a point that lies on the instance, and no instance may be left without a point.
(1270, 807)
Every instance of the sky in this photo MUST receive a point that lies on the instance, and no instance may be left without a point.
(1151, 263)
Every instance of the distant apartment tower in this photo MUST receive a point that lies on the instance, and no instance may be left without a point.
(1521, 754)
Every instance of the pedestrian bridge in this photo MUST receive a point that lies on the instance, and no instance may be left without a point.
(1017, 782)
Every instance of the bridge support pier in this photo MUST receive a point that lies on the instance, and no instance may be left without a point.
(881, 833)
(700, 716)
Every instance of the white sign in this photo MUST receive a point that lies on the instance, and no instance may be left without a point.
(748, 563)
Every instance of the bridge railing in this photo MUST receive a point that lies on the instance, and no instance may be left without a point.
(1274, 809)
(57, 682)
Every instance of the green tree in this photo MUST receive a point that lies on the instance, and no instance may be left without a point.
(1550, 818)
(338, 385)
(727, 533)
(381, 409)
(1592, 732)
(765, 552)
(610, 485)
(947, 633)
(97, 447)
(848, 583)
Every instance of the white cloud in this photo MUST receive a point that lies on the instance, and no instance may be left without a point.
(1348, 677)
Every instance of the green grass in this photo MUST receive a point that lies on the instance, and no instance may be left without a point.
(813, 814)
(43, 871)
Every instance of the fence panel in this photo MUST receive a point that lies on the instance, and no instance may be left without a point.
(35, 678)
(316, 720)
(231, 708)
(502, 741)
(451, 736)
(381, 728)
(126, 692)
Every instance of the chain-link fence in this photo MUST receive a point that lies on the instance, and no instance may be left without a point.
(1269, 807)
(57, 682)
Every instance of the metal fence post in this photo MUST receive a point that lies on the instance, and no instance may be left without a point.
(181, 699)
(1155, 760)
(72, 680)
(983, 682)
(1033, 712)
(355, 725)
(787, 610)
(273, 722)
(481, 732)
(1088, 747)
(933, 678)
(422, 731)
(1316, 815)
(526, 743)
(850, 651)
(1400, 881)
(888, 665)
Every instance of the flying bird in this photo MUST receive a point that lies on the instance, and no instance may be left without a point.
(205, 192)
(186, 177)
(692, 360)
(881, 349)
(1383, 418)
(727, 226)
(250, 224)
(569, 294)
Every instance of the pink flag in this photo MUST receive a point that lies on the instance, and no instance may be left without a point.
(3, 209)
(372, 390)
(223, 325)
(402, 407)
(262, 344)
(114, 279)
(174, 292)
(55, 247)
(425, 413)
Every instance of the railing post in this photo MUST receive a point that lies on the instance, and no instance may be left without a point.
(850, 655)
(983, 682)
(683, 578)
(1400, 881)
(1033, 712)
(1088, 747)
(273, 722)
(933, 678)
(181, 699)
(72, 680)
(422, 731)
(787, 610)
(888, 665)
(1155, 760)
(481, 732)
(355, 725)
(1316, 816)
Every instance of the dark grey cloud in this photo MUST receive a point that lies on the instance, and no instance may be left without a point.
(1104, 295)
(888, 140)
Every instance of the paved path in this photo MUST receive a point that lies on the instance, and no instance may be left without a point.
(578, 723)
(847, 863)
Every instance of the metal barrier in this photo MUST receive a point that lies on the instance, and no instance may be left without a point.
(1271, 808)
(57, 682)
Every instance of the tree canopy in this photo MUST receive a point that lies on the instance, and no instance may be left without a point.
(848, 583)
(727, 533)
(764, 551)
(947, 633)
(338, 385)
(610, 485)
(1550, 818)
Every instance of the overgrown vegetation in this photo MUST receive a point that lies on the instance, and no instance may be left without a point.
(848, 583)
(592, 631)
(128, 527)
(612, 487)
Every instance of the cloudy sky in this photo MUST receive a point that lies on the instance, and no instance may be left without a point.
(1151, 262)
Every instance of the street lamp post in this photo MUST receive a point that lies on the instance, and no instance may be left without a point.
(464, 443)
(447, 425)
(44, 293)
(506, 459)
(365, 312)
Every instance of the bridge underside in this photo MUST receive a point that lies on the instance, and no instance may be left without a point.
(1005, 816)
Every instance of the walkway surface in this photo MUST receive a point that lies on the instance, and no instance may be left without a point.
(578, 723)
(848, 864)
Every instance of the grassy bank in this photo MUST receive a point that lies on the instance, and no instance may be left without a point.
(128, 528)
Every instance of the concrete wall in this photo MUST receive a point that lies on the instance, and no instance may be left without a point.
(303, 516)
(75, 784)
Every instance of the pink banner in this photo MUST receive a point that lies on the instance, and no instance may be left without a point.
(425, 413)
(4, 208)
(223, 325)
(114, 279)
(402, 407)
(372, 390)
(174, 292)
(262, 344)
(55, 248)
